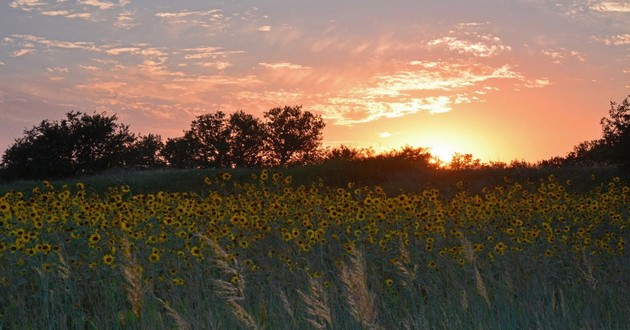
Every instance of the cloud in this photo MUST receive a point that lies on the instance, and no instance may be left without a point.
(22, 52)
(264, 28)
(611, 6)
(31, 41)
(219, 65)
(617, 40)
(85, 16)
(57, 70)
(27, 5)
(208, 52)
(283, 65)
(55, 13)
(558, 55)
(485, 46)
(2, 63)
(125, 20)
(432, 86)
(122, 50)
(103, 5)
(182, 14)
(88, 67)
(537, 83)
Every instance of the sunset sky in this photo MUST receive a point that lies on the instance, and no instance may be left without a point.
(503, 80)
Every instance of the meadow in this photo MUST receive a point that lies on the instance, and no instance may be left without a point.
(272, 250)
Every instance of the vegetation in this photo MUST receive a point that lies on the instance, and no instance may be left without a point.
(87, 144)
(347, 239)
(266, 253)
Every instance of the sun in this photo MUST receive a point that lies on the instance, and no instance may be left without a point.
(443, 152)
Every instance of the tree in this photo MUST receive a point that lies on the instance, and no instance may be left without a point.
(180, 152)
(293, 136)
(346, 153)
(246, 140)
(588, 153)
(145, 152)
(79, 144)
(211, 132)
(616, 132)
(464, 161)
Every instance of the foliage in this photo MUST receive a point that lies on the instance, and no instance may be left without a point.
(180, 152)
(611, 148)
(616, 131)
(293, 136)
(146, 152)
(216, 140)
(267, 254)
(211, 134)
(464, 161)
(80, 144)
(247, 140)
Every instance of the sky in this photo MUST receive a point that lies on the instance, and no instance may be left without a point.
(503, 80)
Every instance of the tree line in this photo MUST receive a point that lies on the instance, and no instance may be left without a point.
(83, 144)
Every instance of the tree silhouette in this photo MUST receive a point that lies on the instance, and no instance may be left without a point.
(181, 152)
(294, 136)
(616, 131)
(78, 144)
(246, 140)
(464, 161)
(212, 134)
(146, 152)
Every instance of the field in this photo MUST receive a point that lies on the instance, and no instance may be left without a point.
(260, 250)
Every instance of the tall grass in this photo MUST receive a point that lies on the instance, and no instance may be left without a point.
(269, 254)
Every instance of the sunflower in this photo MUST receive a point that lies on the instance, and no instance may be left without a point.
(108, 259)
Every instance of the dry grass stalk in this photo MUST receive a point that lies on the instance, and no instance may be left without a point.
(589, 274)
(136, 290)
(242, 315)
(317, 306)
(469, 254)
(286, 305)
(179, 320)
(359, 298)
(481, 287)
(409, 276)
(233, 291)
(64, 268)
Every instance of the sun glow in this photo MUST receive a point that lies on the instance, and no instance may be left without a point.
(443, 152)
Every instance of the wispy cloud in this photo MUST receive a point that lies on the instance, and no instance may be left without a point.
(55, 13)
(212, 19)
(31, 41)
(182, 14)
(283, 65)
(433, 86)
(611, 6)
(219, 65)
(264, 28)
(558, 55)
(616, 40)
(27, 5)
(103, 5)
(125, 20)
(207, 52)
(23, 52)
(484, 46)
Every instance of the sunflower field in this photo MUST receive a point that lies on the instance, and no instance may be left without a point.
(267, 254)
